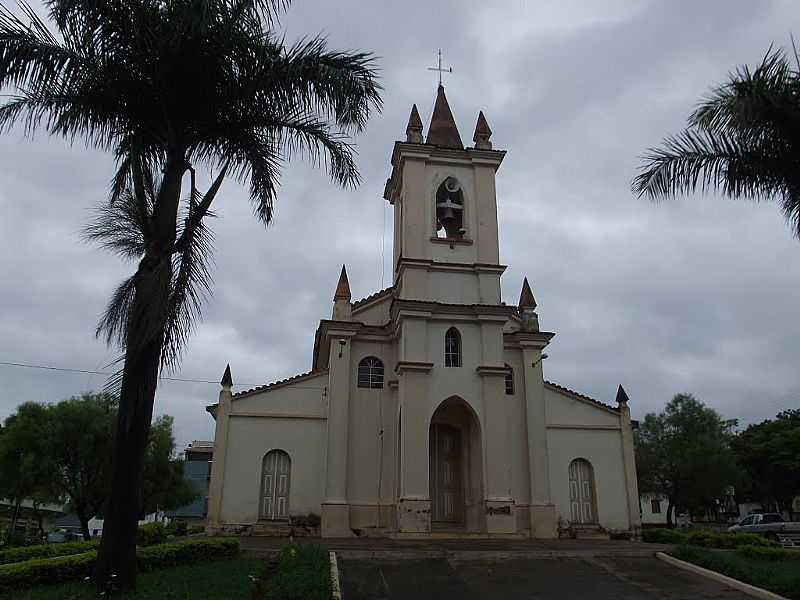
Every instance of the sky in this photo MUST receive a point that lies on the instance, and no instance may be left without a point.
(694, 295)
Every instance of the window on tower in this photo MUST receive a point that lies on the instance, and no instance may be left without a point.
(509, 381)
(452, 348)
(450, 210)
(370, 373)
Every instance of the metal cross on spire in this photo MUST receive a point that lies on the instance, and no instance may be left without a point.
(440, 69)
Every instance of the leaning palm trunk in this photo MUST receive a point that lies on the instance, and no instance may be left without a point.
(146, 331)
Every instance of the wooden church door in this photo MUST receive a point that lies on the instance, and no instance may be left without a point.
(447, 502)
(581, 492)
(275, 485)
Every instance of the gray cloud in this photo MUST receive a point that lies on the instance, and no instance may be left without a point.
(696, 295)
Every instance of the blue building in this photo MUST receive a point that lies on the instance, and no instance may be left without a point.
(197, 469)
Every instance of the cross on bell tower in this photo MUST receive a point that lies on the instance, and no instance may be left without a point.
(440, 69)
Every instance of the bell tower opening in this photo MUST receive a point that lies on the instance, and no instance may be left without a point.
(450, 210)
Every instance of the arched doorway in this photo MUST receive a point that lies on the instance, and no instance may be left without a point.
(276, 471)
(455, 467)
(583, 509)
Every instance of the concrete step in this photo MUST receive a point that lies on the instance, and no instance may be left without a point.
(272, 530)
(587, 533)
(456, 535)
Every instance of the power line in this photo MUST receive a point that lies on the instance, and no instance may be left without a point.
(90, 372)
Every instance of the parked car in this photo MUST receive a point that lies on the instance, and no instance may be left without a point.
(770, 525)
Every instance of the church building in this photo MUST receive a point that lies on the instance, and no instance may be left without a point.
(425, 411)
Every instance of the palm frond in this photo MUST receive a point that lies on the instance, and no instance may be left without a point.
(693, 161)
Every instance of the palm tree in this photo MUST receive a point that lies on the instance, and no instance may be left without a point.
(169, 86)
(744, 140)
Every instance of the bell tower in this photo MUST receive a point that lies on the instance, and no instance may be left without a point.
(445, 211)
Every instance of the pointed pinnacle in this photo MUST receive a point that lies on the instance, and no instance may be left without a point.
(227, 380)
(526, 299)
(442, 130)
(482, 133)
(622, 397)
(414, 127)
(343, 287)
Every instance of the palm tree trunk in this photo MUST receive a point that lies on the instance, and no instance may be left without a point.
(116, 564)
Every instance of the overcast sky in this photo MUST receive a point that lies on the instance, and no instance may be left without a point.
(695, 295)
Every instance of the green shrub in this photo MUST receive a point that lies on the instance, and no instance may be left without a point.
(663, 536)
(78, 566)
(196, 529)
(15, 555)
(303, 574)
(151, 534)
(40, 571)
(164, 556)
(779, 576)
(179, 528)
(766, 553)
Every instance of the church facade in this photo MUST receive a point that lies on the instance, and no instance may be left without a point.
(425, 409)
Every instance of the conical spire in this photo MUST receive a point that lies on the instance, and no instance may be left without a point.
(227, 380)
(343, 287)
(443, 130)
(622, 397)
(526, 299)
(482, 133)
(414, 127)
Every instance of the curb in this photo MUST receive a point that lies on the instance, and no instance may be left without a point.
(336, 588)
(748, 589)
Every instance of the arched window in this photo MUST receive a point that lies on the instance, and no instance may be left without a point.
(509, 381)
(450, 209)
(452, 348)
(582, 492)
(370, 373)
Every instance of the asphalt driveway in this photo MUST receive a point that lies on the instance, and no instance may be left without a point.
(595, 578)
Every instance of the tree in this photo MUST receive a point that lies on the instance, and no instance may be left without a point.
(80, 442)
(684, 453)
(769, 452)
(27, 471)
(163, 485)
(743, 140)
(169, 85)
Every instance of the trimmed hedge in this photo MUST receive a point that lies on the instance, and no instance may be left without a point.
(778, 576)
(165, 556)
(15, 555)
(79, 566)
(707, 539)
(762, 553)
(303, 574)
(151, 534)
(40, 571)
(663, 536)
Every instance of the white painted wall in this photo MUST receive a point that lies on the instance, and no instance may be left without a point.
(603, 449)
(648, 516)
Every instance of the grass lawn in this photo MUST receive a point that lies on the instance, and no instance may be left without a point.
(218, 580)
(779, 576)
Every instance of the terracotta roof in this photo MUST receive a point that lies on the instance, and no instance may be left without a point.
(374, 296)
(526, 299)
(560, 388)
(343, 287)
(280, 383)
(442, 130)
